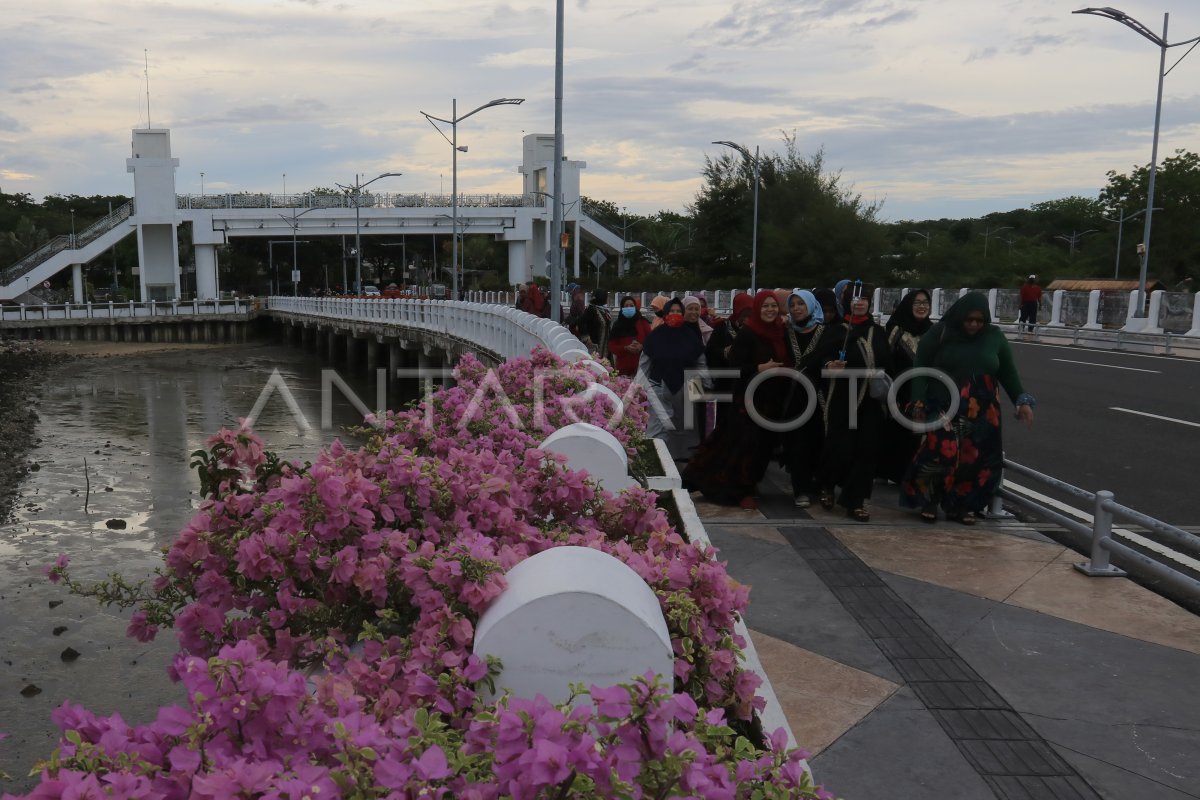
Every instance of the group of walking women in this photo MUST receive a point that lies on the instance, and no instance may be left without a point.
(833, 433)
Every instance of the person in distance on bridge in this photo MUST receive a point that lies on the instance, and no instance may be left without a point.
(669, 352)
(1031, 301)
(958, 465)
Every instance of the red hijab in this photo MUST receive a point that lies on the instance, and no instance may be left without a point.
(773, 332)
(742, 304)
(534, 297)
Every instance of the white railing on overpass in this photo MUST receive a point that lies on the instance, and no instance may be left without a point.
(340, 200)
(502, 330)
(127, 310)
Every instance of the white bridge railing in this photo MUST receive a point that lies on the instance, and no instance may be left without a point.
(502, 330)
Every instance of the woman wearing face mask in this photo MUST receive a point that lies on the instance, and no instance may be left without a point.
(905, 327)
(802, 444)
(958, 464)
(628, 334)
(731, 462)
(851, 451)
(670, 352)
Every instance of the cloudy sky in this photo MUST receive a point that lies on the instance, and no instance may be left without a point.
(938, 108)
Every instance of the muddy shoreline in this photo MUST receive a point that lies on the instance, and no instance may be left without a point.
(134, 413)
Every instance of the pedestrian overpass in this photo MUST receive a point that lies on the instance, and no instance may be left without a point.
(521, 220)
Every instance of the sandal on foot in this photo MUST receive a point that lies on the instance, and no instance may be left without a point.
(827, 501)
(860, 515)
(965, 519)
(929, 514)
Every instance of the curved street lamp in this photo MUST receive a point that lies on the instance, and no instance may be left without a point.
(453, 140)
(1121, 219)
(1161, 42)
(357, 188)
(754, 235)
(1073, 238)
(294, 223)
(988, 233)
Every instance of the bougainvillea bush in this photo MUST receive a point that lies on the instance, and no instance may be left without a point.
(326, 612)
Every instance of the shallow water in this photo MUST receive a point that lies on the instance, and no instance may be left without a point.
(136, 420)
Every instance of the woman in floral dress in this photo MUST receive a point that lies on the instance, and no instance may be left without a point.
(958, 466)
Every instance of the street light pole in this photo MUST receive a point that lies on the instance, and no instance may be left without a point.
(754, 235)
(72, 228)
(988, 234)
(1074, 238)
(358, 187)
(454, 148)
(1162, 44)
(1120, 220)
(295, 225)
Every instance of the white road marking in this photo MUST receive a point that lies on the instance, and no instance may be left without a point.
(1087, 518)
(1110, 366)
(1155, 416)
(1179, 359)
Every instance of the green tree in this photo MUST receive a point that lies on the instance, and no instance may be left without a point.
(1175, 230)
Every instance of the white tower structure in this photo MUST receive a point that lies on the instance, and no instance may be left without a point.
(154, 200)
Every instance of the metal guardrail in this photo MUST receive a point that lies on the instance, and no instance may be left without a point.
(1098, 537)
(503, 330)
(126, 310)
(366, 200)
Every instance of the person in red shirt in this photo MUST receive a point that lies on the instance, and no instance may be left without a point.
(625, 339)
(1031, 299)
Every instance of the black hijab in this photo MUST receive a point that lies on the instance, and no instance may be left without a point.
(672, 350)
(903, 317)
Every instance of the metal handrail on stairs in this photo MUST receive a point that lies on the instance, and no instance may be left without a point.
(59, 243)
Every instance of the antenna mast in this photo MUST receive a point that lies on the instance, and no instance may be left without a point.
(146, 57)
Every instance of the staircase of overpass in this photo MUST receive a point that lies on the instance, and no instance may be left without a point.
(21, 282)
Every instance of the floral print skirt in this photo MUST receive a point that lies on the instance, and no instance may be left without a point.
(960, 468)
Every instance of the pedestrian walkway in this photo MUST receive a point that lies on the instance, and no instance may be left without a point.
(919, 661)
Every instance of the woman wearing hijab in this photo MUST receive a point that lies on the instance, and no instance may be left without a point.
(595, 323)
(627, 336)
(958, 464)
(850, 453)
(718, 348)
(535, 303)
(839, 289)
(731, 462)
(657, 305)
(802, 445)
(908, 323)
(575, 314)
(670, 351)
(829, 306)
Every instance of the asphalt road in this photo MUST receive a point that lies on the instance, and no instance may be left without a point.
(1150, 463)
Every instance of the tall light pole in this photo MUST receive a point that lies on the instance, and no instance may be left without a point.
(72, 227)
(1120, 220)
(357, 188)
(1074, 238)
(294, 222)
(202, 184)
(924, 236)
(754, 236)
(454, 149)
(1162, 44)
(988, 233)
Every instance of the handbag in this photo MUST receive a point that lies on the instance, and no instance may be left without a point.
(879, 385)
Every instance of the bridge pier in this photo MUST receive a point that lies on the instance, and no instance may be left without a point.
(77, 282)
(330, 346)
(351, 351)
(372, 354)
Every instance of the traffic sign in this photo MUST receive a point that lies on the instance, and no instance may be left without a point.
(597, 259)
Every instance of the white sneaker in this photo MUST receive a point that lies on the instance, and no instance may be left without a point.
(803, 501)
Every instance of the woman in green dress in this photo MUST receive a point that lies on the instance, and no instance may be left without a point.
(958, 465)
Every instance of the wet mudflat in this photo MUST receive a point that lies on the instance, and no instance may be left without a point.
(135, 419)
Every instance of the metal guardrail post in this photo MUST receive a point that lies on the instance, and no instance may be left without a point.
(1099, 566)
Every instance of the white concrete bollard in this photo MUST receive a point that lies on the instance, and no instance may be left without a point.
(594, 449)
(573, 615)
(1093, 319)
(1056, 305)
(1195, 331)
